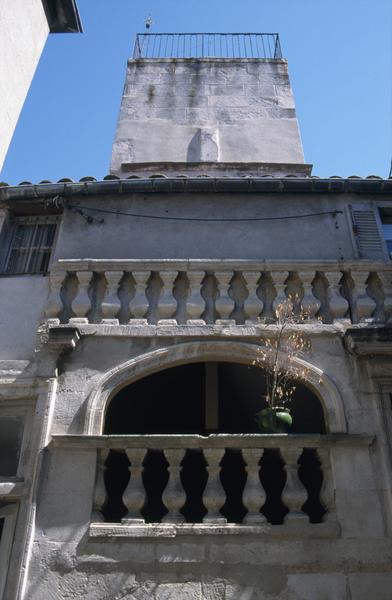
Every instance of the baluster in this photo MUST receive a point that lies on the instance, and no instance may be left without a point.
(139, 303)
(134, 495)
(111, 303)
(337, 305)
(100, 488)
(195, 302)
(224, 304)
(294, 493)
(167, 303)
(252, 305)
(363, 304)
(174, 496)
(82, 303)
(55, 305)
(253, 496)
(386, 280)
(327, 492)
(278, 280)
(214, 494)
(309, 303)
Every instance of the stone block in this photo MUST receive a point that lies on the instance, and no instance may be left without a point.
(320, 586)
(352, 469)
(223, 90)
(366, 586)
(360, 514)
(180, 553)
(215, 590)
(178, 591)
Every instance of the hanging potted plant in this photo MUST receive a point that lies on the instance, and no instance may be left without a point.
(279, 360)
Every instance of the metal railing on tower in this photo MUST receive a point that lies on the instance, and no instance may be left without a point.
(207, 45)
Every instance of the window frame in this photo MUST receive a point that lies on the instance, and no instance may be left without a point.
(380, 208)
(10, 228)
(22, 410)
(9, 513)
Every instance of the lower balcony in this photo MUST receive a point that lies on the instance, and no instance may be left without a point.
(168, 485)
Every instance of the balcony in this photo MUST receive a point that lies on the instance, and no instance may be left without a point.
(216, 293)
(173, 485)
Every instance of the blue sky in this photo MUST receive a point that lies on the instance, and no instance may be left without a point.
(340, 63)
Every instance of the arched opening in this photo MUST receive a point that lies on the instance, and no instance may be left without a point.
(204, 398)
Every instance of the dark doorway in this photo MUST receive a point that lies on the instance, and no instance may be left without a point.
(203, 398)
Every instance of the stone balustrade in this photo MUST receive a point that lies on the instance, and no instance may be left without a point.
(247, 479)
(210, 291)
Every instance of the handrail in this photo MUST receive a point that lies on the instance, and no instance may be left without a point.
(207, 45)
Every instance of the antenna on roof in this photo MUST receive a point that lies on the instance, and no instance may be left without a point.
(148, 22)
(390, 172)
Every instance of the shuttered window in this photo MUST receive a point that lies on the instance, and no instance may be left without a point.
(30, 245)
(386, 221)
(367, 232)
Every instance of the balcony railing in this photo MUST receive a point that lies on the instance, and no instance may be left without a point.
(201, 292)
(250, 480)
(207, 45)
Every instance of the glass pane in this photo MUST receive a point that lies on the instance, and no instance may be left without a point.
(30, 248)
(11, 433)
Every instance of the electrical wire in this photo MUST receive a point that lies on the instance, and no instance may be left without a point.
(201, 219)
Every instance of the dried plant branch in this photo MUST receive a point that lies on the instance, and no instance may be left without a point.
(279, 356)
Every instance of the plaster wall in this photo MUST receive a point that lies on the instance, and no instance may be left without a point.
(23, 32)
(206, 110)
(22, 301)
(312, 238)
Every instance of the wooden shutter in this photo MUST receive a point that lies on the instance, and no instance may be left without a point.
(367, 234)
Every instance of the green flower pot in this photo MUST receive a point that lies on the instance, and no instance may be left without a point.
(274, 420)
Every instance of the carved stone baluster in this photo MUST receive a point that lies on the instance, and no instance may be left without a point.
(224, 304)
(139, 303)
(278, 279)
(100, 488)
(55, 305)
(253, 496)
(134, 495)
(386, 280)
(214, 494)
(195, 304)
(327, 492)
(174, 496)
(309, 303)
(294, 494)
(82, 303)
(167, 303)
(338, 306)
(252, 305)
(363, 304)
(111, 303)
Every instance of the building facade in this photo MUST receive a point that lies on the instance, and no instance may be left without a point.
(132, 311)
(24, 28)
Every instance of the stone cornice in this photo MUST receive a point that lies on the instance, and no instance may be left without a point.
(369, 341)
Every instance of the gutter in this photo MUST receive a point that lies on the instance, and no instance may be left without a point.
(178, 185)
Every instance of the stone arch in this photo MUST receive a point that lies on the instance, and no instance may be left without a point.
(225, 351)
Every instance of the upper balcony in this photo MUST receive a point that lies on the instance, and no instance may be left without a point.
(208, 293)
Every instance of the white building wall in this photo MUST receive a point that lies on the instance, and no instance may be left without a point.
(23, 32)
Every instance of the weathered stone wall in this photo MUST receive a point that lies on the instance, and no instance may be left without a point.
(207, 110)
(67, 561)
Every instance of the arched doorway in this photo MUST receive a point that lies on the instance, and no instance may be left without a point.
(203, 398)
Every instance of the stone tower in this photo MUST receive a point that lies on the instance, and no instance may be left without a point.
(217, 115)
